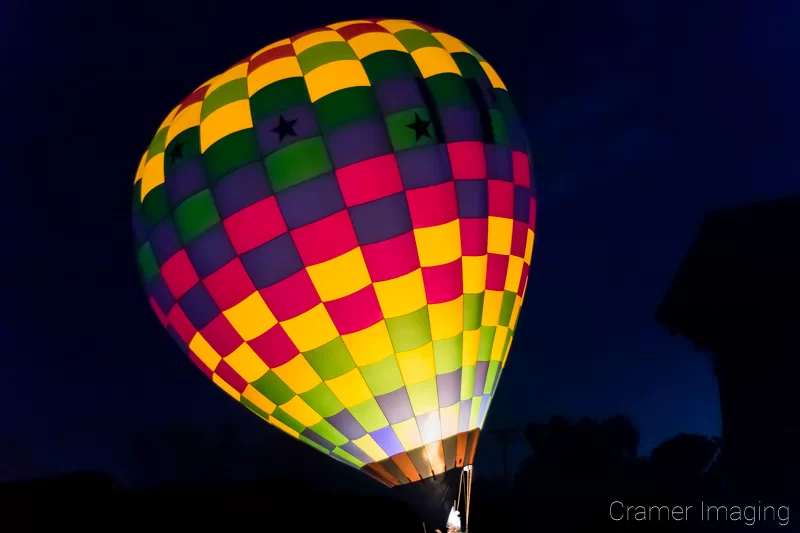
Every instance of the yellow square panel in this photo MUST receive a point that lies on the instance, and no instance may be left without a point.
(369, 345)
(370, 447)
(439, 245)
(301, 411)
(350, 388)
(246, 363)
(514, 273)
(492, 303)
(401, 296)
(369, 43)
(500, 233)
(170, 118)
(279, 69)
(189, 117)
(431, 428)
(447, 319)
(491, 73)
(153, 174)
(340, 276)
(515, 310)
(233, 73)
(283, 427)
(499, 343)
(433, 60)
(334, 76)
(529, 246)
(226, 387)
(339, 25)
(450, 43)
(227, 119)
(471, 346)
(417, 365)
(449, 418)
(259, 400)
(313, 39)
(200, 347)
(395, 26)
(473, 268)
(298, 375)
(408, 434)
(508, 350)
(312, 329)
(251, 317)
(140, 170)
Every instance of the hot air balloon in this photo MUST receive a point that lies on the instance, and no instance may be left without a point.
(338, 231)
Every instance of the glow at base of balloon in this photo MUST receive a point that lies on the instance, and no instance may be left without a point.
(337, 231)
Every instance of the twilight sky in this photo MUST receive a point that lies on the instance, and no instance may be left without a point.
(640, 119)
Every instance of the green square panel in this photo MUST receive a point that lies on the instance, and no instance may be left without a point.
(486, 342)
(506, 343)
(507, 307)
(184, 147)
(313, 444)
(158, 143)
(347, 457)
(346, 106)
(415, 39)
(277, 97)
(475, 411)
(324, 429)
(223, 95)
(282, 416)
(322, 400)
(195, 215)
(273, 387)
(448, 354)
(468, 65)
(423, 396)
(499, 126)
(411, 331)
(491, 374)
(467, 382)
(155, 206)
(136, 201)
(330, 360)
(148, 267)
(231, 152)
(384, 376)
(253, 407)
(402, 135)
(369, 415)
(297, 162)
(473, 310)
(324, 53)
(449, 89)
(389, 64)
(504, 103)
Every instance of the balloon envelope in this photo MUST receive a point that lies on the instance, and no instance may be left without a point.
(338, 230)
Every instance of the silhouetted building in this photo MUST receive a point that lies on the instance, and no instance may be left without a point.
(737, 298)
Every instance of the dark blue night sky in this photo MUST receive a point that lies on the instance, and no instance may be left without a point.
(640, 118)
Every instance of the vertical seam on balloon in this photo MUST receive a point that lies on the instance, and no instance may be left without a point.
(430, 103)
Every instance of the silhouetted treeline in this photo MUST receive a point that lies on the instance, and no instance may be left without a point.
(567, 484)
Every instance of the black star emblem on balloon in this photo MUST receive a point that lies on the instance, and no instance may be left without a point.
(284, 128)
(176, 152)
(420, 127)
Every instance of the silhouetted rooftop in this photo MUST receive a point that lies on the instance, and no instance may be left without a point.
(738, 285)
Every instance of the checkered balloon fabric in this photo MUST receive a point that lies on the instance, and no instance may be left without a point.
(338, 231)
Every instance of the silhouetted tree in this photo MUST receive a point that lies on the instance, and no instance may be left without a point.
(573, 469)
